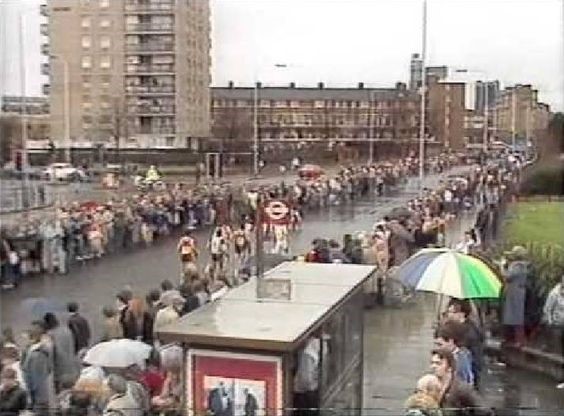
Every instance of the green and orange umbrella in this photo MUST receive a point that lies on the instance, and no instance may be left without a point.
(451, 273)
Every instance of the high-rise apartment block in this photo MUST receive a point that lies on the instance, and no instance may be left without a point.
(519, 114)
(136, 72)
(486, 92)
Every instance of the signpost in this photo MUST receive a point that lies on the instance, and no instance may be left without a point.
(275, 212)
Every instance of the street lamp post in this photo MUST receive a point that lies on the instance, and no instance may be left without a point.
(371, 129)
(66, 105)
(256, 140)
(24, 158)
(513, 109)
(255, 131)
(423, 96)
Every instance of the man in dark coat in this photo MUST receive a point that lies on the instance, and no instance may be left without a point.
(251, 403)
(457, 397)
(79, 327)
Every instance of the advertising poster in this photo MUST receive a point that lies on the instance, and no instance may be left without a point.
(233, 384)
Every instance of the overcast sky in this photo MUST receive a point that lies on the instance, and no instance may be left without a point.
(343, 42)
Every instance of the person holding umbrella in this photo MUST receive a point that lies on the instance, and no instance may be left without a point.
(513, 311)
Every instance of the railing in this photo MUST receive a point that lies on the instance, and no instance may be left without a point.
(150, 47)
(17, 199)
(140, 89)
(149, 27)
(151, 109)
(154, 68)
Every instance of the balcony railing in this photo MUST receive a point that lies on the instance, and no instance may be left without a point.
(141, 89)
(45, 49)
(150, 68)
(150, 47)
(156, 130)
(43, 11)
(151, 109)
(44, 29)
(149, 7)
(149, 27)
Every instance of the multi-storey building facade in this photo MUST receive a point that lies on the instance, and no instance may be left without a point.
(24, 105)
(446, 112)
(137, 71)
(519, 113)
(485, 93)
(316, 114)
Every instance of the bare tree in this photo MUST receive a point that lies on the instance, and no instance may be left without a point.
(10, 134)
(120, 123)
(233, 125)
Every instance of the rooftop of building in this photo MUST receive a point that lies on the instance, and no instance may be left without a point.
(320, 92)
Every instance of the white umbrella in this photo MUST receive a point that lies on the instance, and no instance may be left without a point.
(118, 353)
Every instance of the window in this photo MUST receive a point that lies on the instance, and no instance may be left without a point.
(105, 119)
(86, 62)
(105, 42)
(86, 104)
(105, 22)
(170, 141)
(86, 82)
(105, 62)
(86, 21)
(86, 42)
(104, 4)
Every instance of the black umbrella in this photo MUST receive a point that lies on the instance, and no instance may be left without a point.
(399, 212)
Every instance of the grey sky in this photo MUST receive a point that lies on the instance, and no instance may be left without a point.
(342, 42)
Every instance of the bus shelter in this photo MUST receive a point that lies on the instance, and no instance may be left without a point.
(244, 354)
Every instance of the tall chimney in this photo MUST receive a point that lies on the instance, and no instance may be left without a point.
(361, 85)
(230, 84)
(320, 85)
(292, 85)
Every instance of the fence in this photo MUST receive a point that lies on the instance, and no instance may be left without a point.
(20, 198)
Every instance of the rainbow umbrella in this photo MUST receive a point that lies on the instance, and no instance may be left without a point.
(451, 273)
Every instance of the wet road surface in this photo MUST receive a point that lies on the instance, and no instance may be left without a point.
(397, 341)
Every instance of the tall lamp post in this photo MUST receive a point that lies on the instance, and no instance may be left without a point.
(256, 138)
(513, 120)
(66, 105)
(423, 97)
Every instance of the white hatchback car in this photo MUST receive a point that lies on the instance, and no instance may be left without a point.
(63, 172)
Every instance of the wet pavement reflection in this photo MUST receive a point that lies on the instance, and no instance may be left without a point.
(397, 346)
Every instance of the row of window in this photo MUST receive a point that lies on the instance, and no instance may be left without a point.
(104, 62)
(104, 22)
(104, 42)
(102, 4)
(313, 103)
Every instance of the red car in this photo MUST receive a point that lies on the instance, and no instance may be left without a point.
(310, 172)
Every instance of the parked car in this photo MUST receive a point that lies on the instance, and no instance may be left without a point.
(63, 172)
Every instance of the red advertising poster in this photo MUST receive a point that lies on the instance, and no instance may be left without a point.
(232, 384)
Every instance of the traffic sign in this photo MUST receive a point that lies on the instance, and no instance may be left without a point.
(276, 212)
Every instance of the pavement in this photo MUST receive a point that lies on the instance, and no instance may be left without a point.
(397, 341)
